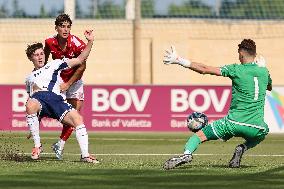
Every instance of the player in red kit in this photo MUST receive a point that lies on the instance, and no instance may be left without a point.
(65, 45)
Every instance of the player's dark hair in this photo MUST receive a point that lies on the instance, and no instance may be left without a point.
(62, 18)
(32, 48)
(249, 46)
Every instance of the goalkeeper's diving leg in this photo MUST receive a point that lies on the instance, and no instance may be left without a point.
(191, 145)
(203, 135)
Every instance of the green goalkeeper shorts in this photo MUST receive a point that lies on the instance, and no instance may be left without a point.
(225, 129)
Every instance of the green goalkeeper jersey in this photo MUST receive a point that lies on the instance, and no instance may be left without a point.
(249, 84)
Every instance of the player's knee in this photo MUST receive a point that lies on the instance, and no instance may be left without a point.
(32, 107)
(78, 106)
(77, 119)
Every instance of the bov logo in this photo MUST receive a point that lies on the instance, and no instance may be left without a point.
(276, 101)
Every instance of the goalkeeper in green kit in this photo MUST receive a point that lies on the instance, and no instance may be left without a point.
(245, 119)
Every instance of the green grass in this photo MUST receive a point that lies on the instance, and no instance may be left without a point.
(142, 171)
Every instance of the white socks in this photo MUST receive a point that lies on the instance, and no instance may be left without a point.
(187, 152)
(81, 135)
(82, 138)
(33, 123)
(61, 143)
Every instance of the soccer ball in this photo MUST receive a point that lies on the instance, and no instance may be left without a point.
(196, 121)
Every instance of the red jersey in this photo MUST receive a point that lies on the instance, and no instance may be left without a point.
(73, 49)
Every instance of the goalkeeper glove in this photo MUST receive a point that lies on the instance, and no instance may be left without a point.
(260, 61)
(171, 57)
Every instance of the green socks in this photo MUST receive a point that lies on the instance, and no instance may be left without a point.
(192, 144)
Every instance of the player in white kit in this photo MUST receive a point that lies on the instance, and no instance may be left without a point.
(46, 100)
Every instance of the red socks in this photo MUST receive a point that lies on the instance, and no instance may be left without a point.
(66, 132)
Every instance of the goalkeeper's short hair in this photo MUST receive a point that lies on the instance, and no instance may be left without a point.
(248, 45)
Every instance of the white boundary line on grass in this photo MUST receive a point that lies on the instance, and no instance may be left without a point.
(250, 155)
(130, 139)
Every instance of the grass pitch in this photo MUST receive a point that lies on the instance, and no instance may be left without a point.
(134, 160)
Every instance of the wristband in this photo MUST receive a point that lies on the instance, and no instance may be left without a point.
(184, 62)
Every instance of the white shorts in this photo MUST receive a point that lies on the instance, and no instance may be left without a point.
(76, 91)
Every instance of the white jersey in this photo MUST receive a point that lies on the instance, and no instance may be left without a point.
(47, 78)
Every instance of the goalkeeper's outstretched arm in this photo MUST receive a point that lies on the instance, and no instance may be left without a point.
(204, 69)
(171, 57)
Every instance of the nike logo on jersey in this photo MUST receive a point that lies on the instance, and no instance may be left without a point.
(71, 54)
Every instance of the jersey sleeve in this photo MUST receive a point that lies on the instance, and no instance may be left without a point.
(79, 45)
(229, 70)
(58, 64)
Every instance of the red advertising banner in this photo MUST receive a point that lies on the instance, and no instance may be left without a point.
(126, 107)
